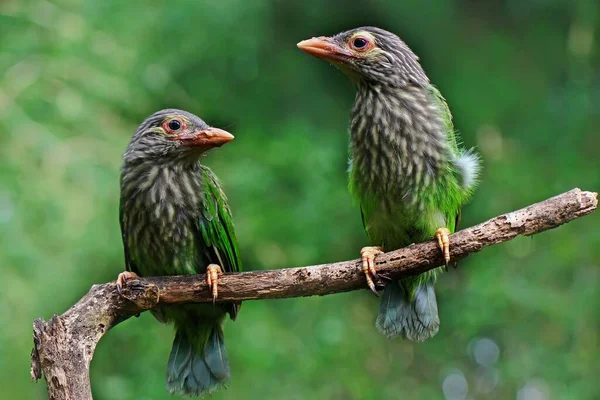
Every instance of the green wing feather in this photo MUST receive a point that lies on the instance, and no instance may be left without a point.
(216, 226)
(453, 139)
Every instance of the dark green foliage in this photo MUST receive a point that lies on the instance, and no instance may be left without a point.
(521, 77)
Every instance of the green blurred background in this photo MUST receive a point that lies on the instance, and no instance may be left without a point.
(519, 320)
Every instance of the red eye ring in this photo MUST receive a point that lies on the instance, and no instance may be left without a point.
(174, 126)
(361, 43)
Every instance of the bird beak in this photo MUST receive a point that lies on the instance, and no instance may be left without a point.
(209, 137)
(323, 47)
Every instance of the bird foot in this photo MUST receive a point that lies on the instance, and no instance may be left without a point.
(368, 254)
(443, 238)
(122, 279)
(212, 277)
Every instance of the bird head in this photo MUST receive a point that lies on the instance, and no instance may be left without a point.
(174, 134)
(368, 54)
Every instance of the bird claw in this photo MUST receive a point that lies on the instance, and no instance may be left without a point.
(212, 277)
(443, 238)
(368, 254)
(122, 279)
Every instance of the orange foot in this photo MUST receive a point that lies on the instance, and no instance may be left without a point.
(212, 277)
(443, 239)
(123, 278)
(368, 254)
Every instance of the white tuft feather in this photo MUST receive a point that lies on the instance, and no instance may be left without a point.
(469, 165)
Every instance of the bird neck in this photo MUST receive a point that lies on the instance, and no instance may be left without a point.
(397, 139)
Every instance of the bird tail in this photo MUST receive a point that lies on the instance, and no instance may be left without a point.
(198, 363)
(414, 317)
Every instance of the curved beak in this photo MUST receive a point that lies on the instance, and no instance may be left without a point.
(323, 47)
(209, 137)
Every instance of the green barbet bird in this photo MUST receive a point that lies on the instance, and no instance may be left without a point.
(175, 220)
(408, 169)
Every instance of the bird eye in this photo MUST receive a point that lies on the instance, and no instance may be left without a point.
(360, 43)
(173, 125)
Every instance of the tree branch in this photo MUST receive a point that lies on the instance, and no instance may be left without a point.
(64, 346)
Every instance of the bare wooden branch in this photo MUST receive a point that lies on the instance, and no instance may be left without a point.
(64, 346)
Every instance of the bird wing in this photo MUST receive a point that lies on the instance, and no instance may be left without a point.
(453, 139)
(216, 226)
(218, 234)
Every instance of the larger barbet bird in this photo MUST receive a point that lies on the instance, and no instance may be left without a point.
(175, 220)
(408, 169)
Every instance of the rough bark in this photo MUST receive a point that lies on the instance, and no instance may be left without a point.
(64, 346)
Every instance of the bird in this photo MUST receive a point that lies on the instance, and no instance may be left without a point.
(175, 220)
(408, 169)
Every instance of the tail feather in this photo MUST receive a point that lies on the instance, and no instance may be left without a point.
(415, 320)
(201, 381)
(215, 354)
(196, 368)
(180, 356)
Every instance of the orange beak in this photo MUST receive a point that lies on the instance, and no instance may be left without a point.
(209, 137)
(322, 47)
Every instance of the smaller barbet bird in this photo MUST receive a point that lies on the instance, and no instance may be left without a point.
(408, 169)
(175, 220)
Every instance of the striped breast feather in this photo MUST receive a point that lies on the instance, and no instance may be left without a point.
(216, 225)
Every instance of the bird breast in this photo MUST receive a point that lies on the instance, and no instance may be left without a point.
(160, 210)
(397, 141)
